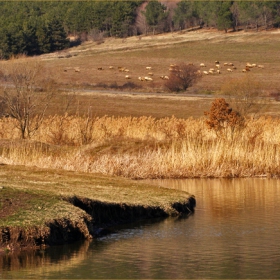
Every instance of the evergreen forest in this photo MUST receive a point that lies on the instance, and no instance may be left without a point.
(38, 27)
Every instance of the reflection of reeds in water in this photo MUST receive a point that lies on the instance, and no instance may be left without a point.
(226, 196)
(146, 147)
(50, 260)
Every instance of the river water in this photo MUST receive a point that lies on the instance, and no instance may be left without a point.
(234, 233)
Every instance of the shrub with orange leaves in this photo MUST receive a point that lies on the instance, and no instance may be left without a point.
(221, 117)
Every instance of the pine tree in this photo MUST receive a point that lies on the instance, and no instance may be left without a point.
(155, 14)
(225, 17)
(182, 13)
(31, 44)
(58, 37)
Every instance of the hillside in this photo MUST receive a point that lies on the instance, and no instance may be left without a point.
(159, 51)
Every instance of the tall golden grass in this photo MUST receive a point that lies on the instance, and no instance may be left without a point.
(145, 147)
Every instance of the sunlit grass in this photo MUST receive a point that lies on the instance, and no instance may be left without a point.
(35, 196)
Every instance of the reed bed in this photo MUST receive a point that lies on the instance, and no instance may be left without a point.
(146, 147)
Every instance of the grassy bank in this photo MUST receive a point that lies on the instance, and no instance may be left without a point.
(46, 207)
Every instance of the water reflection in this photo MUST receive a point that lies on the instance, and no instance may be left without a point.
(234, 233)
(229, 196)
(38, 262)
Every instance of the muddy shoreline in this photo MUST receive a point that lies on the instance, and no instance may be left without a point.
(97, 220)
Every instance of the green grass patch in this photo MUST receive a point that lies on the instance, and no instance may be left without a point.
(26, 207)
(32, 196)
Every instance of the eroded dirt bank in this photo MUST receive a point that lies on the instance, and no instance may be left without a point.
(96, 219)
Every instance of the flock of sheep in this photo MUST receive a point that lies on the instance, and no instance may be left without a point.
(229, 67)
(217, 68)
(148, 77)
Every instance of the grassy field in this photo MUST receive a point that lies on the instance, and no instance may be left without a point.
(107, 92)
(159, 51)
(124, 104)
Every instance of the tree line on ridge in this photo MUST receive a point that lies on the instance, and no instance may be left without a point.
(39, 27)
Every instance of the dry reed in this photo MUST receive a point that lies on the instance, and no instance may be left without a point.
(146, 147)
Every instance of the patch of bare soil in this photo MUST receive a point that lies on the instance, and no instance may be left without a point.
(11, 202)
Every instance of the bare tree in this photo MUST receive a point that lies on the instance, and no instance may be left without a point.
(244, 94)
(27, 93)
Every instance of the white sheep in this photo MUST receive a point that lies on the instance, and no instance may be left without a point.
(149, 68)
(202, 65)
(148, 79)
(127, 77)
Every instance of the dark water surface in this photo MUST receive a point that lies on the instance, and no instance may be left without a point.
(234, 233)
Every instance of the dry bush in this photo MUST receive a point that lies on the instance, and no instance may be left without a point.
(182, 76)
(86, 126)
(221, 117)
(59, 130)
(8, 128)
(244, 95)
